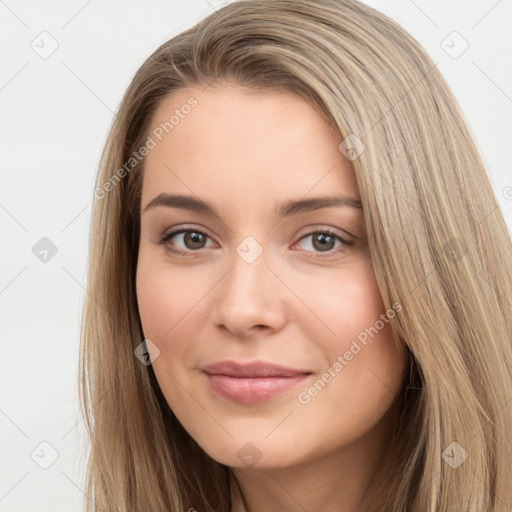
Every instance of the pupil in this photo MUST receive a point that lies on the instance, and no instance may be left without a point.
(194, 240)
(323, 242)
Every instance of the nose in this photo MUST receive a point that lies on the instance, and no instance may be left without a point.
(249, 299)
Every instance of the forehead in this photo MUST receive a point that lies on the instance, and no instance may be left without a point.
(243, 146)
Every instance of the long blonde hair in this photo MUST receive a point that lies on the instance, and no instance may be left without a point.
(437, 238)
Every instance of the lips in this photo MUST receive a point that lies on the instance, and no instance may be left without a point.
(253, 382)
(253, 369)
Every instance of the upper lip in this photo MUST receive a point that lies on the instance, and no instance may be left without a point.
(252, 369)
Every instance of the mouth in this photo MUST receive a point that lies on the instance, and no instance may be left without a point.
(254, 382)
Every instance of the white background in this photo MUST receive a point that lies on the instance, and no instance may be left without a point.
(54, 117)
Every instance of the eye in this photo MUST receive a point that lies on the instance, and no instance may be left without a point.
(324, 241)
(187, 240)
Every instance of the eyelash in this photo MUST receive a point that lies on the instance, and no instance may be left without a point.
(325, 231)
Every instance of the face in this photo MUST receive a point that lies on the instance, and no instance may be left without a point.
(274, 344)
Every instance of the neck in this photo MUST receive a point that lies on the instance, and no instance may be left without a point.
(347, 480)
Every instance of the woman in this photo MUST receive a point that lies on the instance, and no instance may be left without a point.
(299, 278)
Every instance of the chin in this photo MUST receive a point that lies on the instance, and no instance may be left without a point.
(259, 454)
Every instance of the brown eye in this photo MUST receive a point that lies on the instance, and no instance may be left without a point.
(194, 240)
(320, 241)
(186, 241)
(323, 241)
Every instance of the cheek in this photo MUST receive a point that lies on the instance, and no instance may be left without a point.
(355, 339)
(345, 304)
(174, 307)
(166, 297)
(169, 305)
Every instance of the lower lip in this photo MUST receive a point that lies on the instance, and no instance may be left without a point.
(253, 390)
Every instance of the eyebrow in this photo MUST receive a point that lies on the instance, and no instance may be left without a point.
(292, 207)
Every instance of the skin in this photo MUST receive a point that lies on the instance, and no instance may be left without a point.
(295, 305)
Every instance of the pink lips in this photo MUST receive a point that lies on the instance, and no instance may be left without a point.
(253, 382)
